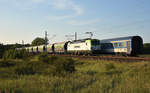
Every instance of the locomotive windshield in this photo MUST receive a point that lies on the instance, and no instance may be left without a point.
(95, 42)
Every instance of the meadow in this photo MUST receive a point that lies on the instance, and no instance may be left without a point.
(63, 75)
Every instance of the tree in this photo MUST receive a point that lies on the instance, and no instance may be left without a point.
(146, 49)
(1, 50)
(147, 45)
(38, 41)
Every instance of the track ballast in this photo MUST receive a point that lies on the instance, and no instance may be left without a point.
(108, 58)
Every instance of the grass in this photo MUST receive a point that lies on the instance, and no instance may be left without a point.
(89, 77)
(145, 55)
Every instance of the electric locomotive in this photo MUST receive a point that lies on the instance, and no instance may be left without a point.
(84, 46)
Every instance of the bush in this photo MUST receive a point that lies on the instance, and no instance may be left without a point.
(146, 48)
(64, 65)
(15, 54)
(1, 50)
(6, 64)
(26, 68)
(47, 65)
(44, 58)
(59, 65)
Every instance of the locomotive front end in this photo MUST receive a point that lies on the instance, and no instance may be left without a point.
(95, 46)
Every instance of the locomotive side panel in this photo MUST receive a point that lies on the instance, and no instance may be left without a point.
(79, 47)
(88, 46)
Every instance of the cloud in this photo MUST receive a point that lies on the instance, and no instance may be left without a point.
(81, 23)
(57, 18)
(68, 5)
(74, 10)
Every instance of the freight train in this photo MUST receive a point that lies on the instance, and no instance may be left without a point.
(83, 47)
(131, 45)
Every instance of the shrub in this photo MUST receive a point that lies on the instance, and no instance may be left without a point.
(2, 49)
(44, 58)
(26, 69)
(146, 48)
(64, 65)
(15, 54)
(6, 64)
(59, 65)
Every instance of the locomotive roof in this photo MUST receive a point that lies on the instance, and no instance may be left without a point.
(82, 40)
(60, 43)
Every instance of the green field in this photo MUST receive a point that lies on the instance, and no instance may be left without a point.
(32, 76)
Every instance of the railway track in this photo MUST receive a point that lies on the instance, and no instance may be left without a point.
(109, 58)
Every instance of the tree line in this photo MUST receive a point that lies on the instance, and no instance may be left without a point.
(146, 48)
(6, 49)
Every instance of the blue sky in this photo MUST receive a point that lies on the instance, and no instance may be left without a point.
(27, 19)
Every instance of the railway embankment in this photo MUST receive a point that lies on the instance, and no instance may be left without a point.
(110, 58)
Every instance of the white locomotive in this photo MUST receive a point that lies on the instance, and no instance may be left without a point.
(85, 46)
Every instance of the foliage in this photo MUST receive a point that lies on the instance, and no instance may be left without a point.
(26, 69)
(4, 48)
(38, 41)
(15, 54)
(44, 58)
(56, 66)
(59, 64)
(63, 64)
(146, 49)
(1, 50)
(147, 45)
(90, 77)
(7, 63)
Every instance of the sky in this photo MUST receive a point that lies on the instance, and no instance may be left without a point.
(28, 19)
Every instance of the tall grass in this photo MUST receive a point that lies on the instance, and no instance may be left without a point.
(15, 54)
(89, 77)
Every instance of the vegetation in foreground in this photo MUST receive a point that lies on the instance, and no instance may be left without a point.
(44, 74)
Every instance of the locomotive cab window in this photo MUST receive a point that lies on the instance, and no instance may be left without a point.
(95, 42)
